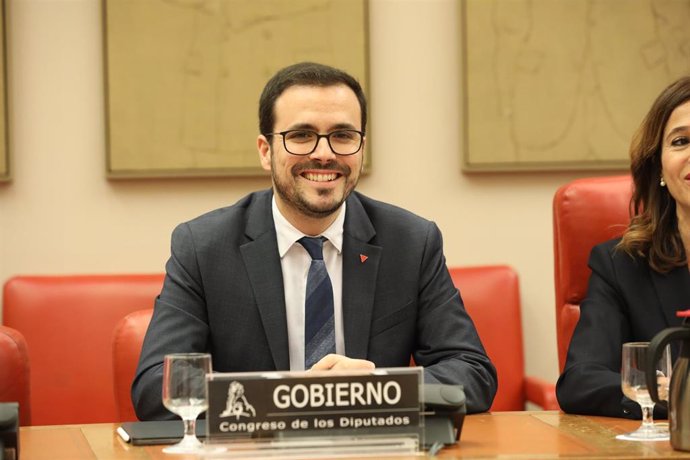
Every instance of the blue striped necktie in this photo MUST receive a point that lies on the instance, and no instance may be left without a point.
(319, 329)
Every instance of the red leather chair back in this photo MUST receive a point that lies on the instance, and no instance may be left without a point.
(586, 212)
(491, 295)
(14, 372)
(68, 324)
(127, 342)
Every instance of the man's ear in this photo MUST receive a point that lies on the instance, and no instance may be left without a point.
(364, 144)
(264, 147)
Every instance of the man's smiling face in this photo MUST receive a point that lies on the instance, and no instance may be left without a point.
(314, 185)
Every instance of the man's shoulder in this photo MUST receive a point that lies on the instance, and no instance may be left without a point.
(382, 211)
(234, 213)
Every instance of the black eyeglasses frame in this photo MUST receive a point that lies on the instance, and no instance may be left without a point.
(318, 138)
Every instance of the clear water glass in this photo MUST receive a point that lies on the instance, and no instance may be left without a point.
(634, 385)
(184, 394)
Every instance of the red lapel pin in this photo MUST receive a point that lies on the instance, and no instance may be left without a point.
(363, 258)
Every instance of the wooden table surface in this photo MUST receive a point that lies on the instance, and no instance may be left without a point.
(506, 435)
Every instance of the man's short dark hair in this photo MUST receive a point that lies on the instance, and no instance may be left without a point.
(305, 74)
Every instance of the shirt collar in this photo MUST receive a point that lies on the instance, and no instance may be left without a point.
(287, 234)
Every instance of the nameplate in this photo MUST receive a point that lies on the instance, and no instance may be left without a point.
(260, 404)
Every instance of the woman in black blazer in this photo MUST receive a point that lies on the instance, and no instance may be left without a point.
(639, 281)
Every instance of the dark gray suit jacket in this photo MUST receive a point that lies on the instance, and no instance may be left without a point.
(626, 301)
(223, 294)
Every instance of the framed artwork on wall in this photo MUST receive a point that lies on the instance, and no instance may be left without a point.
(4, 151)
(183, 78)
(564, 84)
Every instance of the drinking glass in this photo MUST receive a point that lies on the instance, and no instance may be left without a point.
(634, 387)
(184, 393)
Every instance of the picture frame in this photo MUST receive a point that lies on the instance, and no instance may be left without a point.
(183, 79)
(5, 171)
(563, 84)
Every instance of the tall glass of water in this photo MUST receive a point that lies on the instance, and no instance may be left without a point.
(184, 394)
(634, 386)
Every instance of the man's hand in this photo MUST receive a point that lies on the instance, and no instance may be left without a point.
(340, 362)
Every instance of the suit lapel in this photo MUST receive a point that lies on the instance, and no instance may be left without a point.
(360, 269)
(673, 291)
(262, 260)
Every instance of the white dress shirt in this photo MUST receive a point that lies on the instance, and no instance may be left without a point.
(295, 262)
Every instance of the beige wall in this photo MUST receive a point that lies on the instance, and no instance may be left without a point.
(60, 214)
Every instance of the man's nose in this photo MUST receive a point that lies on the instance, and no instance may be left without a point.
(323, 150)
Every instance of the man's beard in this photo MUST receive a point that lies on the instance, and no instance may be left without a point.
(297, 200)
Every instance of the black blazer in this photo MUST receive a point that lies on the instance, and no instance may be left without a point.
(223, 293)
(626, 301)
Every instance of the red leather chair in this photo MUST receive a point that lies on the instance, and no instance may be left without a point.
(491, 295)
(14, 372)
(68, 324)
(127, 342)
(586, 212)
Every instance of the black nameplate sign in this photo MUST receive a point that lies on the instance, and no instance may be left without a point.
(308, 404)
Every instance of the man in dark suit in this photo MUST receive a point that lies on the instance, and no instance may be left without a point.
(236, 278)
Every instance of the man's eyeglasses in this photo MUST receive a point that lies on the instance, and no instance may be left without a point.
(304, 141)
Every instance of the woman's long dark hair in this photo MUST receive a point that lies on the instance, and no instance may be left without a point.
(653, 230)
